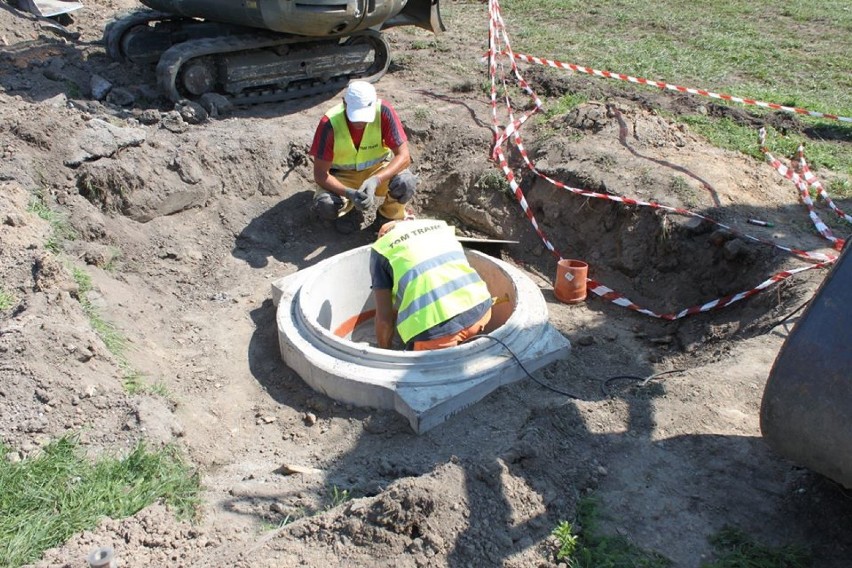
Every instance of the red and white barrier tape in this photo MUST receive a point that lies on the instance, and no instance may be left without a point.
(678, 88)
(616, 298)
(814, 182)
(497, 34)
(804, 194)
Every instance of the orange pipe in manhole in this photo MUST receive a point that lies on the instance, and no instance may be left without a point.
(348, 326)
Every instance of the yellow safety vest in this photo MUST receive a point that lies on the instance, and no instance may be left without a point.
(432, 280)
(371, 151)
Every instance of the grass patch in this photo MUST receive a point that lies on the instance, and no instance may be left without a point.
(7, 300)
(46, 499)
(421, 114)
(114, 261)
(266, 526)
(736, 550)
(563, 105)
(337, 496)
(134, 383)
(72, 90)
(493, 180)
(115, 342)
(588, 548)
(841, 188)
(730, 135)
(60, 229)
(779, 50)
(685, 192)
(113, 339)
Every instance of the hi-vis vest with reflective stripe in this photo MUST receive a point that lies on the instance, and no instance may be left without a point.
(432, 278)
(371, 151)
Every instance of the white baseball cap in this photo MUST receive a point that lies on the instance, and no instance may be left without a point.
(360, 99)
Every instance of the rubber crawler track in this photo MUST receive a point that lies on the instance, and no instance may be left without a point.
(175, 57)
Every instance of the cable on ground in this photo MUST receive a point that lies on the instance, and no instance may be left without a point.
(642, 380)
(515, 357)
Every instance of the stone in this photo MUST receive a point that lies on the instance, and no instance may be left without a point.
(215, 104)
(100, 87)
(120, 97)
(191, 112)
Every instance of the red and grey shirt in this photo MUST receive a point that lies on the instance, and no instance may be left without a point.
(393, 135)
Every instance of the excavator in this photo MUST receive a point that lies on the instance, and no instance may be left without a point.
(260, 51)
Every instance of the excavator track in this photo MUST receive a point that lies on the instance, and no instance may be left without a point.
(263, 68)
(115, 30)
(258, 51)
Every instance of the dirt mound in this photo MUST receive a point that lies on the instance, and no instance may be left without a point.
(171, 226)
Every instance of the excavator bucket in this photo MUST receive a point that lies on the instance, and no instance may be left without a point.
(806, 412)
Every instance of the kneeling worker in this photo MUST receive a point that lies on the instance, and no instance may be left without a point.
(420, 273)
(360, 152)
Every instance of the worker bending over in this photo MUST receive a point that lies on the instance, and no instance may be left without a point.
(360, 151)
(423, 283)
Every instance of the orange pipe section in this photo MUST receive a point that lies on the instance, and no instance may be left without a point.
(348, 326)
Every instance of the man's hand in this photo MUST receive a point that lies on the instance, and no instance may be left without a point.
(370, 185)
(362, 201)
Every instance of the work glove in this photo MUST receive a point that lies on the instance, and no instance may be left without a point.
(362, 201)
(370, 185)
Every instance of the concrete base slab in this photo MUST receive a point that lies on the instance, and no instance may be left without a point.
(324, 318)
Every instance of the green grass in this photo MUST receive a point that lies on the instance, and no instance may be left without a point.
(493, 180)
(564, 104)
(115, 341)
(728, 134)
(337, 496)
(736, 550)
(789, 52)
(72, 90)
(46, 499)
(134, 383)
(588, 548)
(840, 188)
(60, 230)
(685, 192)
(7, 300)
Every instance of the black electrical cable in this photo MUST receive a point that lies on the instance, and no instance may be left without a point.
(548, 387)
(642, 380)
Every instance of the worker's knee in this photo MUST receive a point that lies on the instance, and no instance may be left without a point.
(327, 205)
(402, 186)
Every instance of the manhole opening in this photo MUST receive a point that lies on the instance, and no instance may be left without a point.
(347, 312)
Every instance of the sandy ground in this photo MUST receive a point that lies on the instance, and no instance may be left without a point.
(182, 228)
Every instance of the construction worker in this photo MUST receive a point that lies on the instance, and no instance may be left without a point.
(424, 287)
(360, 151)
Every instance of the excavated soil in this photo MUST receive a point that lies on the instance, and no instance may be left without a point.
(183, 221)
